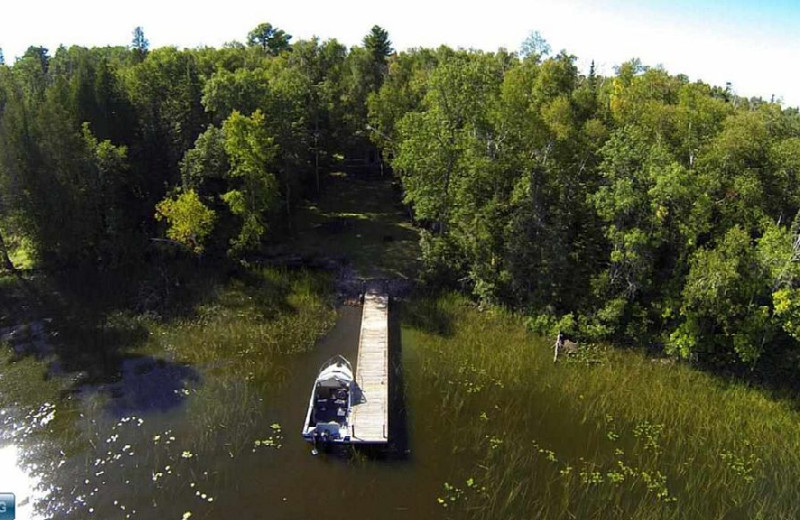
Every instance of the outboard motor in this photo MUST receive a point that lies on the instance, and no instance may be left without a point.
(321, 439)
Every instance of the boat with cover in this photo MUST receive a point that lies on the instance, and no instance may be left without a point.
(328, 416)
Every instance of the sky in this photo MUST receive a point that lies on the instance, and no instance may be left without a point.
(754, 45)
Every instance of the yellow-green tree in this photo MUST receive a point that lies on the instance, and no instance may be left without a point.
(190, 221)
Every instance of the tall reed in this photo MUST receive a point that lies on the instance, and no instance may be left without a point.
(611, 434)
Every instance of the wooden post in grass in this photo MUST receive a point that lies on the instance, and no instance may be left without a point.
(558, 345)
(565, 345)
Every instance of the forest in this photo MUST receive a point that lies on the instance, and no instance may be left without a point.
(640, 209)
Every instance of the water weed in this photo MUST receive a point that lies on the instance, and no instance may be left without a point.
(606, 435)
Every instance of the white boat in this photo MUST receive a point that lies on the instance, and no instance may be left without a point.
(328, 417)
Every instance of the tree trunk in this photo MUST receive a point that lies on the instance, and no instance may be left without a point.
(4, 258)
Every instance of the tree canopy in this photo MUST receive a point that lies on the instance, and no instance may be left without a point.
(270, 39)
(636, 207)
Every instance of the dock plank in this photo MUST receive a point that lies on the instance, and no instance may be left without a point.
(369, 423)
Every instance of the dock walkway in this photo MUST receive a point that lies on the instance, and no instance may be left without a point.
(370, 423)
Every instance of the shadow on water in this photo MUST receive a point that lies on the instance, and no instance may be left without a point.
(90, 326)
(398, 414)
(221, 432)
(148, 384)
(80, 324)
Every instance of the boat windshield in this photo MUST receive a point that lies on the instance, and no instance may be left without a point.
(333, 382)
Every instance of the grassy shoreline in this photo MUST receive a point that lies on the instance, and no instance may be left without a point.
(623, 438)
(235, 331)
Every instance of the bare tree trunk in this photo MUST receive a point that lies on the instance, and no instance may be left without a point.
(559, 344)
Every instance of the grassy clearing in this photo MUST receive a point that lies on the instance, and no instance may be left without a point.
(361, 220)
(625, 437)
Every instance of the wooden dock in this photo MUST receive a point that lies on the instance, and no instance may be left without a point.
(370, 417)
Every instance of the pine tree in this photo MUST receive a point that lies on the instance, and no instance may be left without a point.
(139, 45)
(378, 44)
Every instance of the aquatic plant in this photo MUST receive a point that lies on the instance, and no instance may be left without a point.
(620, 438)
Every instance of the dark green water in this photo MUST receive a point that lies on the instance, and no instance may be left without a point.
(165, 441)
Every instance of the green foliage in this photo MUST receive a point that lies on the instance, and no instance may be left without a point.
(445, 169)
(379, 48)
(270, 39)
(610, 199)
(243, 89)
(378, 44)
(206, 162)
(67, 191)
(251, 152)
(538, 187)
(726, 300)
(190, 221)
(402, 92)
(165, 89)
(787, 308)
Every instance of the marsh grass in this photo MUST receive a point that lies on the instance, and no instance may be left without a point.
(241, 339)
(620, 436)
(246, 326)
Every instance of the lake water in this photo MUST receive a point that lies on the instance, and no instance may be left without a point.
(171, 441)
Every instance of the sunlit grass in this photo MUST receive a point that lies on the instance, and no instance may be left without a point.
(359, 220)
(623, 438)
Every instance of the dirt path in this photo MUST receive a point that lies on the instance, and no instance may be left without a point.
(360, 230)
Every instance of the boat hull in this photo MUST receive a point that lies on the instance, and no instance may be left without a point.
(329, 408)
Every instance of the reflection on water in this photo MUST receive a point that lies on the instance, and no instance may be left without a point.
(166, 439)
(16, 478)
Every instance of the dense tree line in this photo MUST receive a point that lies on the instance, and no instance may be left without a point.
(640, 207)
(219, 144)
